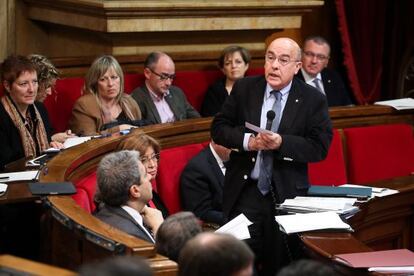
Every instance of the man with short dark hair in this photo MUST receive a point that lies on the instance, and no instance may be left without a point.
(158, 99)
(124, 187)
(117, 266)
(314, 71)
(174, 232)
(215, 254)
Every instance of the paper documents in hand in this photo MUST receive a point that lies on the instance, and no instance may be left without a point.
(311, 221)
(256, 128)
(237, 227)
(399, 104)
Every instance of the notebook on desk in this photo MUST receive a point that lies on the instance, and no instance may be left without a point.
(52, 188)
(315, 190)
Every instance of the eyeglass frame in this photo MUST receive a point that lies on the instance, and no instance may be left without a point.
(163, 76)
(319, 57)
(155, 157)
(283, 63)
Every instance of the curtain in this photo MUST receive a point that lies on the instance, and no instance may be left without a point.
(361, 25)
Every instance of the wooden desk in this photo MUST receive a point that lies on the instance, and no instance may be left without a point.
(9, 264)
(382, 224)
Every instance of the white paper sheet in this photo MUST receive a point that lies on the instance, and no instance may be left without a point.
(74, 141)
(18, 176)
(399, 104)
(237, 227)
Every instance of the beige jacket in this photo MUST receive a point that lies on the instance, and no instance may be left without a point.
(87, 116)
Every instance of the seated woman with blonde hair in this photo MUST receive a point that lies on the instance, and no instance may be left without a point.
(149, 152)
(104, 107)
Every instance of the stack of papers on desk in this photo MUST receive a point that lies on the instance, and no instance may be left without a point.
(309, 204)
(19, 176)
(399, 104)
(311, 222)
(389, 261)
(237, 227)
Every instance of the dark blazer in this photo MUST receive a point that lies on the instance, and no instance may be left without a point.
(305, 128)
(202, 187)
(119, 218)
(214, 98)
(334, 87)
(176, 100)
(10, 141)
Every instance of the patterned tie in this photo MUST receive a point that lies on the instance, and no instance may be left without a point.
(265, 174)
(317, 85)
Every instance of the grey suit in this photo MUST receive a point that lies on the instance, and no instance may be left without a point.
(176, 100)
(119, 218)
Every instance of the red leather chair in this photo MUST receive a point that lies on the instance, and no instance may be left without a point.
(172, 163)
(332, 170)
(85, 192)
(379, 152)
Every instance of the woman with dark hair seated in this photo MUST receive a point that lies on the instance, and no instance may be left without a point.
(22, 132)
(104, 107)
(233, 62)
(149, 152)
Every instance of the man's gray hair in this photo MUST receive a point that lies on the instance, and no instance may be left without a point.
(116, 173)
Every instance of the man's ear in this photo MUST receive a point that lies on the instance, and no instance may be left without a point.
(147, 73)
(134, 191)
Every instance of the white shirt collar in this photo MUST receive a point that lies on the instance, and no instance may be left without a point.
(138, 218)
(218, 159)
(308, 78)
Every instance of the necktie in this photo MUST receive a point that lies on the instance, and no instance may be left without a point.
(317, 85)
(265, 174)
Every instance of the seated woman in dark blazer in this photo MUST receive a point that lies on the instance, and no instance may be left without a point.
(149, 152)
(22, 132)
(233, 62)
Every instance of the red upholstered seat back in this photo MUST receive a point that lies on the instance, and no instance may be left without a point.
(85, 192)
(132, 81)
(332, 170)
(379, 152)
(59, 105)
(172, 163)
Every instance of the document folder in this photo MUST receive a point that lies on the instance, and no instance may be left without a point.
(52, 188)
(340, 191)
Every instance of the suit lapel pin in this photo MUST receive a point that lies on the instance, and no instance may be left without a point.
(297, 100)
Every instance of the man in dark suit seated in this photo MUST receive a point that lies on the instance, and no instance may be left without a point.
(158, 99)
(314, 71)
(124, 187)
(202, 183)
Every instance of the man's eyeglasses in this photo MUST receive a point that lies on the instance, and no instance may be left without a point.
(319, 57)
(146, 159)
(163, 76)
(283, 60)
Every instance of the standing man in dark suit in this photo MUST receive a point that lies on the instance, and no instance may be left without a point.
(314, 71)
(158, 99)
(304, 135)
(124, 187)
(202, 183)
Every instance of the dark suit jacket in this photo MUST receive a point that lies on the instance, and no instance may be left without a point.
(119, 218)
(214, 98)
(176, 100)
(202, 187)
(334, 87)
(305, 128)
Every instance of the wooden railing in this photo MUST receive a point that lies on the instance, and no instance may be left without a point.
(76, 236)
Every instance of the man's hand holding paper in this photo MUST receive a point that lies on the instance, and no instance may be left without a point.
(265, 139)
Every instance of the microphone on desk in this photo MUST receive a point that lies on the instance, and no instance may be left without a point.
(270, 117)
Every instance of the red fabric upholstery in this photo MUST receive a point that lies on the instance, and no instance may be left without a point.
(379, 152)
(59, 105)
(132, 81)
(86, 189)
(172, 163)
(332, 170)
